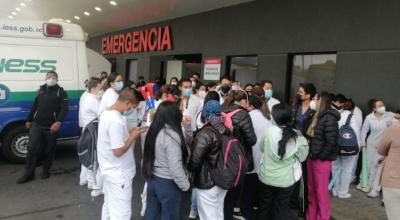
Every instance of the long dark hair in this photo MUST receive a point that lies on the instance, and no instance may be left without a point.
(282, 115)
(259, 92)
(325, 103)
(167, 114)
(234, 95)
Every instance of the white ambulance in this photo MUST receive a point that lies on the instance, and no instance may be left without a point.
(28, 50)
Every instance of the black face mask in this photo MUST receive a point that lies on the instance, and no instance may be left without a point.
(225, 89)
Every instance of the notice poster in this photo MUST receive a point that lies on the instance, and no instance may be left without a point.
(212, 68)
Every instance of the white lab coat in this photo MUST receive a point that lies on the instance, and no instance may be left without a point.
(271, 102)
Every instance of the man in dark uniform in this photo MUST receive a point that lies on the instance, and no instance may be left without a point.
(48, 111)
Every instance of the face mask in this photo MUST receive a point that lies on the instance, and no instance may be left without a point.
(128, 113)
(51, 82)
(174, 83)
(313, 105)
(119, 85)
(100, 94)
(234, 87)
(187, 92)
(268, 93)
(202, 94)
(381, 110)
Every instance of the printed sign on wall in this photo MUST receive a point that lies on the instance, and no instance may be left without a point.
(212, 68)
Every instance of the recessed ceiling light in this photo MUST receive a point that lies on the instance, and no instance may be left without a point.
(77, 17)
(113, 3)
(10, 17)
(18, 9)
(14, 13)
(22, 4)
(97, 8)
(69, 21)
(86, 13)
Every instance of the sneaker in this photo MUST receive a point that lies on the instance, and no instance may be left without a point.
(344, 196)
(373, 194)
(96, 192)
(26, 178)
(238, 216)
(193, 214)
(335, 192)
(364, 189)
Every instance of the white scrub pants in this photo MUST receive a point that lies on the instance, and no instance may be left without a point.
(117, 200)
(210, 203)
(374, 169)
(344, 165)
(83, 177)
(391, 197)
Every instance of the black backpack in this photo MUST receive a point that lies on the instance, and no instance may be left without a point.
(348, 144)
(232, 164)
(87, 145)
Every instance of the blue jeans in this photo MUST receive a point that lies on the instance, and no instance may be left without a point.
(194, 200)
(164, 200)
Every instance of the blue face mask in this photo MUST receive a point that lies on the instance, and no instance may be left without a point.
(128, 113)
(268, 93)
(119, 85)
(187, 92)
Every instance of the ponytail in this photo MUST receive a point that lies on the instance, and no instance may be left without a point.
(288, 133)
(264, 108)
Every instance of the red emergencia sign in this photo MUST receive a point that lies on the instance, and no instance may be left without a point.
(212, 61)
(152, 39)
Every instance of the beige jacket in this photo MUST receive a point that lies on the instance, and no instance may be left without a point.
(389, 147)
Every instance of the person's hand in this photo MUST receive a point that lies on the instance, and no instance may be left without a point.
(187, 120)
(28, 124)
(136, 132)
(55, 127)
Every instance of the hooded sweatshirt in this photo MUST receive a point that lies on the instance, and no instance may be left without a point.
(274, 171)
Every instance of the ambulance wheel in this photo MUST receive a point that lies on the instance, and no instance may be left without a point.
(15, 145)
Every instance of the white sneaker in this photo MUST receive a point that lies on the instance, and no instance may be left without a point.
(193, 214)
(364, 189)
(82, 183)
(96, 192)
(334, 192)
(373, 194)
(344, 196)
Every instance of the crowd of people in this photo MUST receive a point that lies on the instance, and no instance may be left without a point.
(294, 155)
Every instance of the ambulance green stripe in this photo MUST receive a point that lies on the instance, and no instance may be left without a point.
(29, 96)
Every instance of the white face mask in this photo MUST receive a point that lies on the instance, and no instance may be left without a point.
(51, 82)
(313, 105)
(381, 110)
(202, 94)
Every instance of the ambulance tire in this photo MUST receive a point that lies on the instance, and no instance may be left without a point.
(14, 147)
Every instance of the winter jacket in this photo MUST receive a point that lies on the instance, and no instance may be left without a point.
(50, 105)
(205, 151)
(243, 130)
(324, 144)
(302, 121)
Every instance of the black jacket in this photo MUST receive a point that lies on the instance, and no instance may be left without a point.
(206, 148)
(243, 130)
(324, 144)
(303, 125)
(50, 105)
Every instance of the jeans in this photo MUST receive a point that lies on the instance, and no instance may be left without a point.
(318, 195)
(274, 201)
(211, 203)
(164, 199)
(194, 200)
(343, 167)
(40, 140)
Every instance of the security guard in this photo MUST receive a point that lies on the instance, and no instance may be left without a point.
(48, 111)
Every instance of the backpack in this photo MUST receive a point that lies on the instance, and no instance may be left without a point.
(87, 145)
(232, 164)
(228, 118)
(348, 144)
